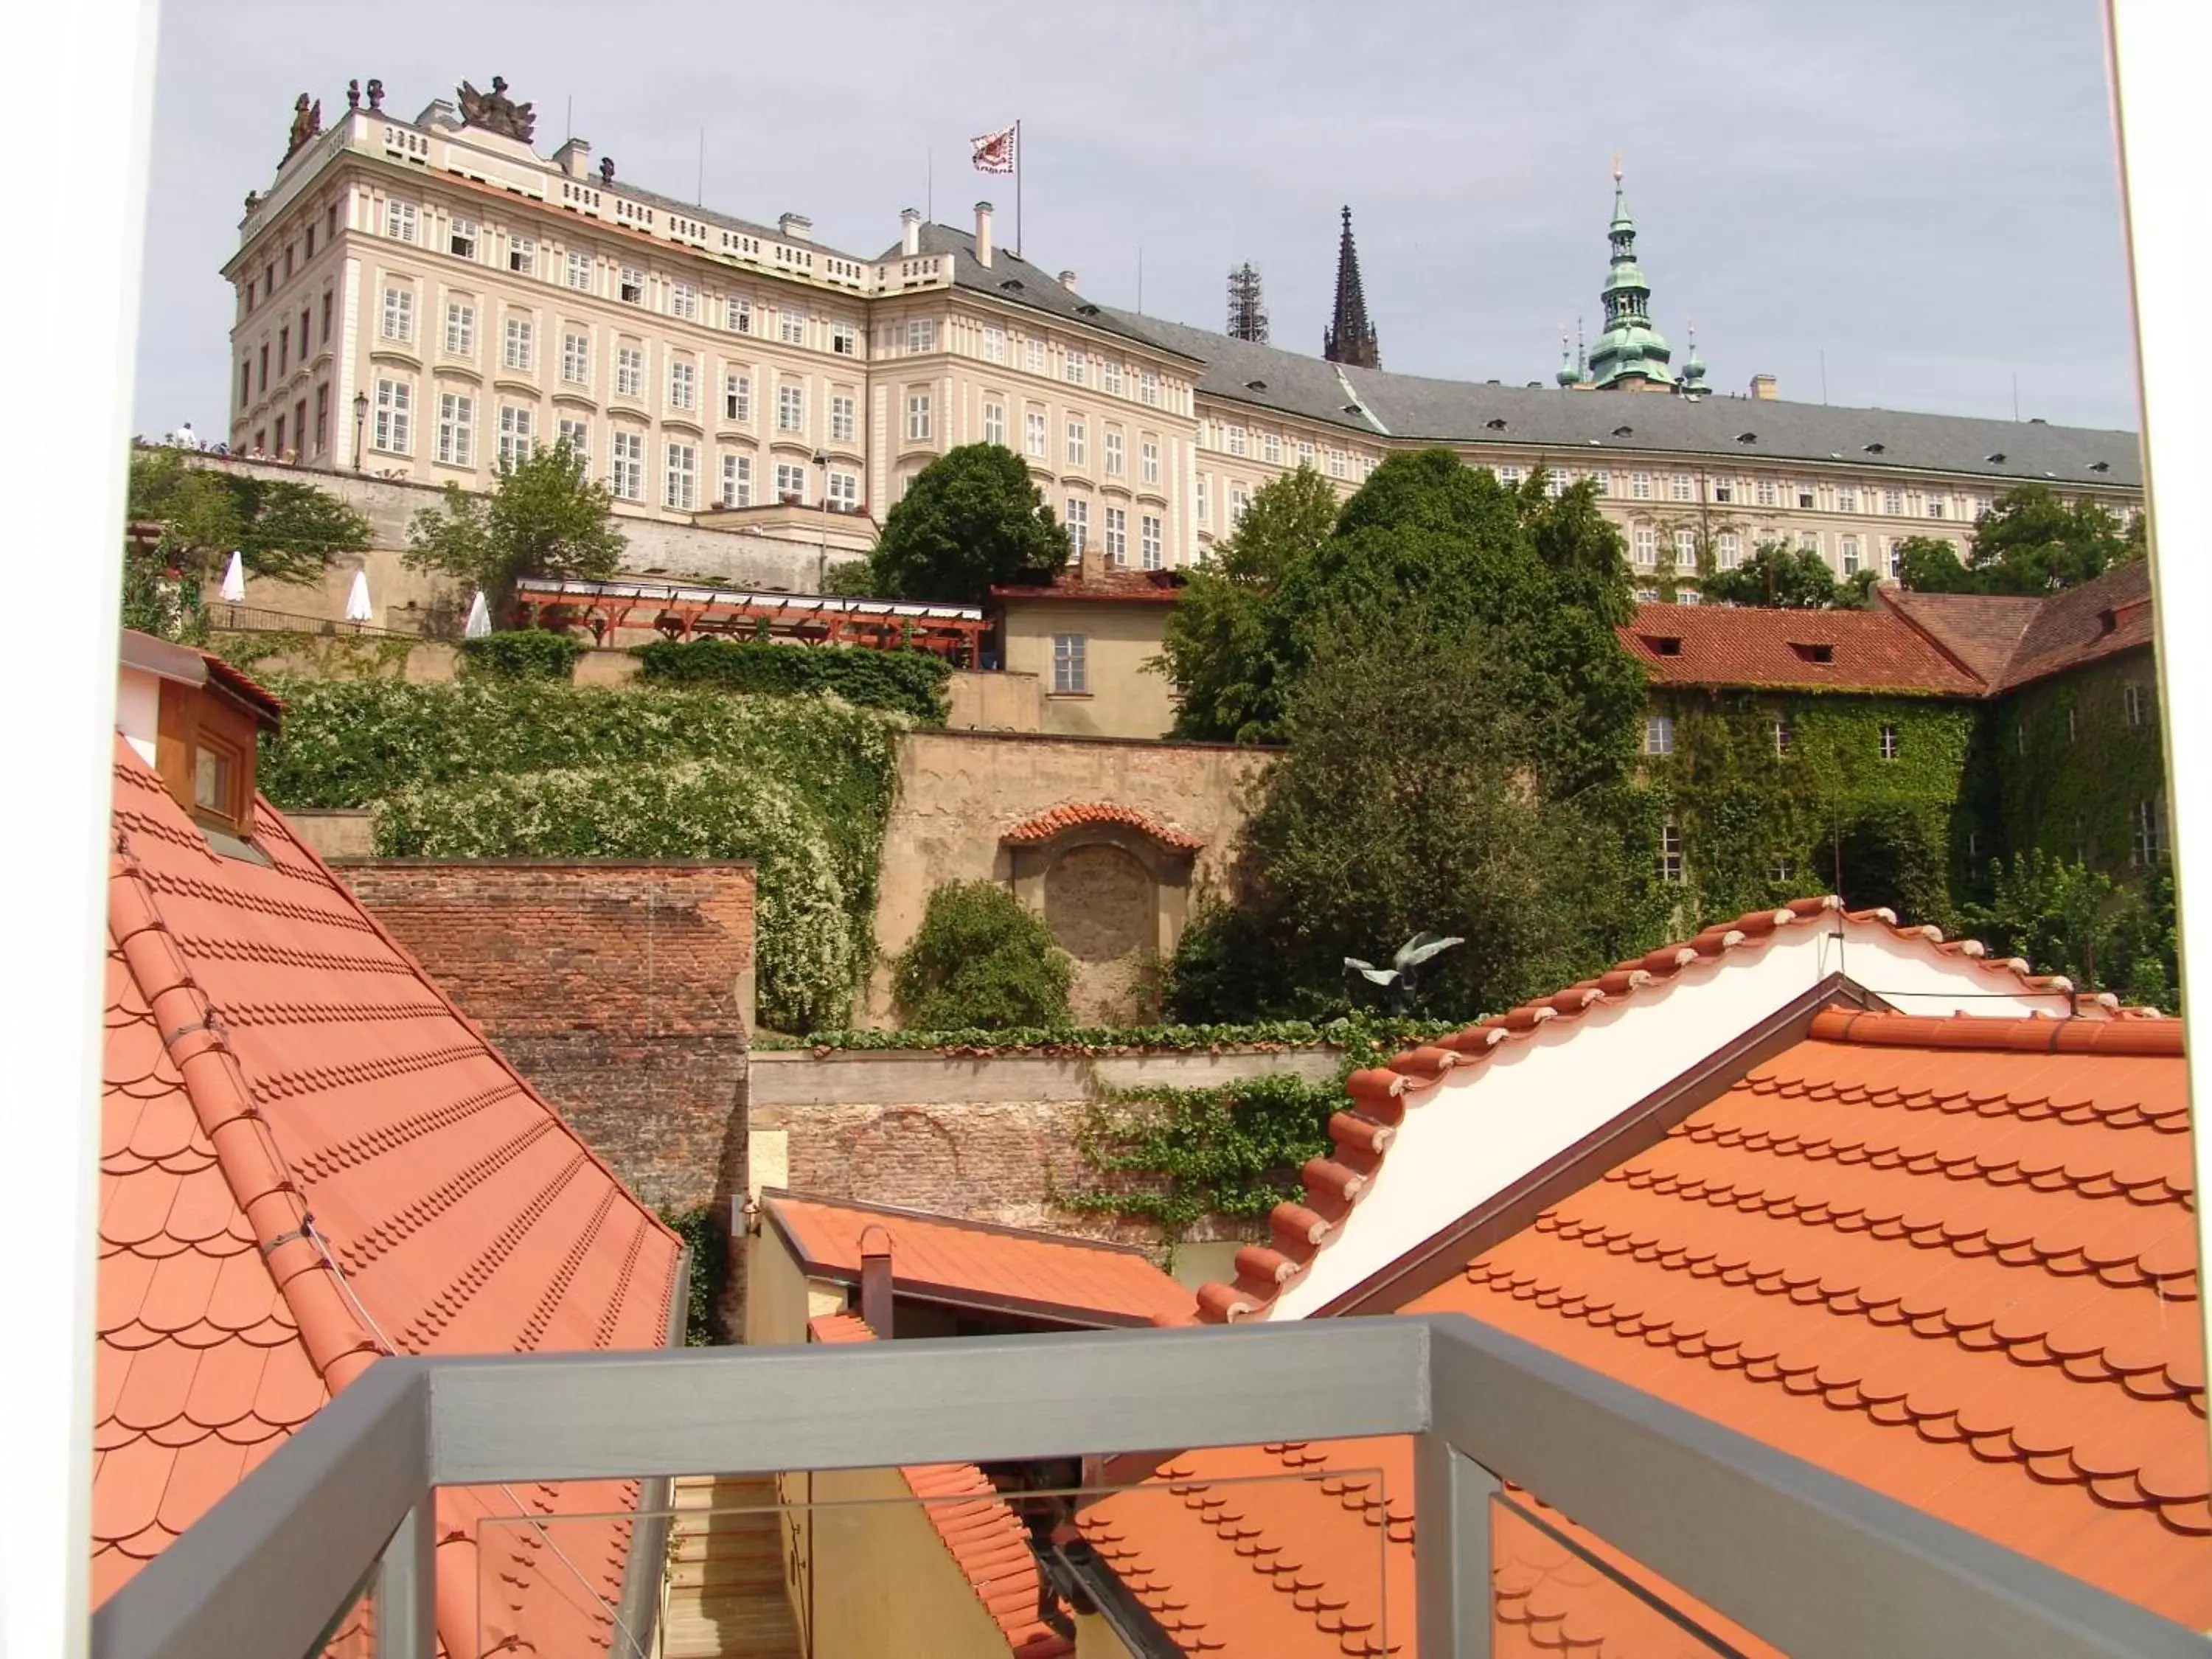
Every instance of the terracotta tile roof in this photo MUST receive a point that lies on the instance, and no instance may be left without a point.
(971, 1263)
(1980, 630)
(1134, 587)
(240, 685)
(1790, 650)
(1047, 824)
(1952, 1259)
(2085, 624)
(322, 1161)
(986, 1539)
(1380, 1096)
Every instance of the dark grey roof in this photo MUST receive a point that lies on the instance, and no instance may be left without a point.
(720, 220)
(1589, 423)
(1032, 286)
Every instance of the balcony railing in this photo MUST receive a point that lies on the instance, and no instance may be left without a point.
(1810, 1562)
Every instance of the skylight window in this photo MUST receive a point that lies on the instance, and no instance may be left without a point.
(2101, 466)
(1623, 431)
(1996, 458)
(1496, 423)
(1256, 385)
(1747, 437)
(1877, 449)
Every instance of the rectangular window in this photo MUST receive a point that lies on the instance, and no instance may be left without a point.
(1148, 543)
(1509, 476)
(629, 371)
(631, 289)
(791, 409)
(1785, 735)
(1148, 389)
(1078, 527)
(683, 385)
(326, 319)
(1336, 464)
(460, 329)
(1273, 445)
(1670, 854)
(994, 424)
(994, 345)
(1079, 444)
(1071, 673)
(1847, 499)
(921, 335)
(578, 269)
(1894, 558)
(265, 366)
(1639, 486)
(1936, 507)
(1728, 549)
(2132, 703)
(917, 418)
(522, 256)
(461, 240)
(1809, 541)
(285, 349)
(1117, 535)
(737, 316)
(1109, 378)
(394, 431)
(1555, 481)
(844, 340)
(279, 450)
(1889, 743)
(1148, 462)
(1602, 482)
(1892, 502)
(737, 481)
(844, 419)
(1033, 433)
(1238, 443)
(1114, 456)
(457, 414)
(626, 475)
(322, 418)
(246, 382)
(1204, 503)
(516, 439)
(1074, 367)
(683, 301)
(576, 358)
(399, 220)
(1647, 545)
(1847, 551)
(1762, 492)
(2147, 840)
(1033, 354)
(576, 433)
(790, 328)
(1659, 734)
(521, 348)
(399, 314)
(1686, 550)
(1305, 452)
(844, 490)
(1723, 490)
(1805, 498)
(738, 398)
(1239, 500)
(791, 482)
(1680, 488)
(681, 486)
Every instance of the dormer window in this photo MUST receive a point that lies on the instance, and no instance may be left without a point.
(195, 719)
(1811, 651)
(1876, 449)
(2101, 466)
(1664, 645)
(1496, 423)
(1996, 458)
(1747, 437)
(1623, 431)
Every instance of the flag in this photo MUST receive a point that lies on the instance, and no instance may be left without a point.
(994, 152)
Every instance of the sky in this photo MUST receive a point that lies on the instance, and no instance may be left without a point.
(1907, 204)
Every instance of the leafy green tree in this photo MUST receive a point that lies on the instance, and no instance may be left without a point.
(544, 518)
(981, 959)
(2065, 918)
(2031, 541)
(971, 519)
(1220, 652)
(1776, 578)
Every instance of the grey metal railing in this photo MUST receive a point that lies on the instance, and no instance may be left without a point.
(1812, 1563)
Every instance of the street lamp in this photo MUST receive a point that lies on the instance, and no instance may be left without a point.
(360, 419)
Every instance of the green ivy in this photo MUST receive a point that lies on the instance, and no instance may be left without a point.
(522, 654)
(911, 683)
(2071, 788)
(702, 1231)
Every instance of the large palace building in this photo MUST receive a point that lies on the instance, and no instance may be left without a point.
(430, 298)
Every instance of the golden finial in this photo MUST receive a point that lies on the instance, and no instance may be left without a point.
(1616, 167)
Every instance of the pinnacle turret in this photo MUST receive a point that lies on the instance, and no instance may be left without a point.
(1631, 352)
(1350, 337)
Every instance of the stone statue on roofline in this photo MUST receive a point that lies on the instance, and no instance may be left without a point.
(1398, 980)
(307, 122)
(494, 111)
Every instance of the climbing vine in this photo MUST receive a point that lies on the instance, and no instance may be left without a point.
(701, 1230)
(2070, 770)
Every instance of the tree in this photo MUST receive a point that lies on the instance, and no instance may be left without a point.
(972, 518)
(980, 958)
(1219, 653)
(544, 518)
(1776, 578)
(2031, 541)
(2065, 918)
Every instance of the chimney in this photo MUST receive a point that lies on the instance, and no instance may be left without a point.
(795, 228)
(983, 234)
(1068, 281)
(575, 158)
(195, 719)
(876, 1280)
(909, 232)
(1762, 385)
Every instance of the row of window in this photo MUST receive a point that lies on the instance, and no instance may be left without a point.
(1277, 450)
(2135, 710)
(258, 289)
(1152, 544)
(1730, 547)
(293, 436)
(2146, 844)
(1075, 365)
(1659, 737)
(290, 347)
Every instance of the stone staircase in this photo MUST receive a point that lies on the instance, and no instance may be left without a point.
(726, 1592)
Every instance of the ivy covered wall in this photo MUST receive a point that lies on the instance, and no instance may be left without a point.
(2073, 790)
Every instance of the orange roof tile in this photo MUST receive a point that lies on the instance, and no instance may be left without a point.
(2100, 618)
(1138, 587)
(1790, 650)
(310, 1159)
(1380, 1096)
(1077, 1281)
(985, 1538)
(1953, 1259)
(1980, 631)
(1047, 824)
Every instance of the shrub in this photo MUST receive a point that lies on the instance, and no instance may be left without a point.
(1225, 969)
(703, 1235)
(906, 682)
(981, 959)
(524, 654)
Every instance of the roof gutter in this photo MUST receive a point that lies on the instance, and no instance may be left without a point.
(645, 1568)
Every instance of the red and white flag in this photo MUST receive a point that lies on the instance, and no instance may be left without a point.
(994, 151)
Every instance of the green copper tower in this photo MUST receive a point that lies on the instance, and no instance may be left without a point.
(1631, 352)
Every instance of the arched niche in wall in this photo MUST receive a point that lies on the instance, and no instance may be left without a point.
(1114, 885)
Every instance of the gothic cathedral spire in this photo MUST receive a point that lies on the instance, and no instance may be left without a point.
(1350, 337)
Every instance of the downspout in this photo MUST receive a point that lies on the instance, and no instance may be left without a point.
(638, 1610)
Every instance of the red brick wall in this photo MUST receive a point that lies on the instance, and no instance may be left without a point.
(621, 991)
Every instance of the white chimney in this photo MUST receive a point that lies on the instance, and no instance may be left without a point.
(574, 158)
(983, 234)
(795, 228)
(1068, 281)
(909, 231)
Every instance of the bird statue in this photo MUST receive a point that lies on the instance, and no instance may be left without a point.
(1398, 979)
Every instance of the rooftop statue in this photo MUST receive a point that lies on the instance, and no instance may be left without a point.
(307, 122)
(1398, 979)
(497, 112)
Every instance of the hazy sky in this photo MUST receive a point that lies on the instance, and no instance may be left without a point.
(1925, 190)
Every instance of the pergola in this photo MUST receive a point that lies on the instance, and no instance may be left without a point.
(678, 611)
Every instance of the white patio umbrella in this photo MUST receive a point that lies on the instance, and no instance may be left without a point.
(358, 609)
(234, 580)
(479, 622)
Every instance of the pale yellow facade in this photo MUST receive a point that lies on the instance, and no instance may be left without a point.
(423, 298)
(1091, 660)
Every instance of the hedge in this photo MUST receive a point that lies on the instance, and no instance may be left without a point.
(531, 653)
(911, 683)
